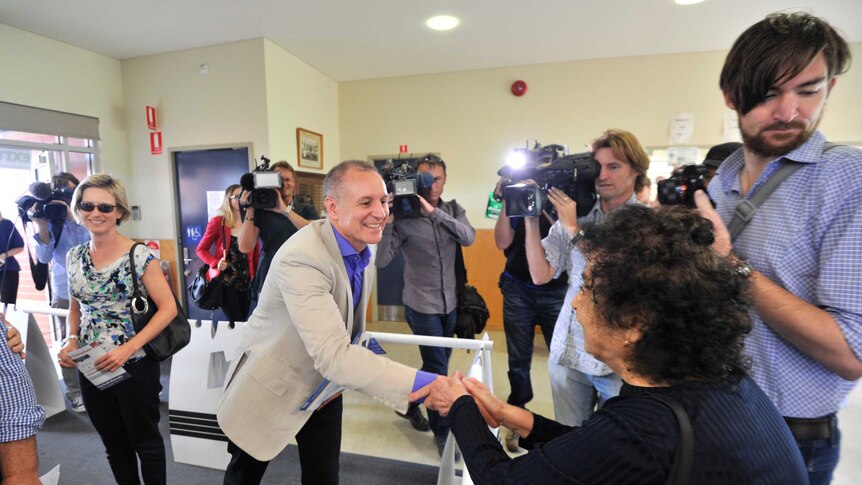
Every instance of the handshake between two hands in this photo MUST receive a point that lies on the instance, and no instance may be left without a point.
(440, 394)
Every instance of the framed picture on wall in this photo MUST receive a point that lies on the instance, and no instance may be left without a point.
(309, 148)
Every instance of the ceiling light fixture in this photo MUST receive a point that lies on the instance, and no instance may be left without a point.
(442, 22)
(687, 2)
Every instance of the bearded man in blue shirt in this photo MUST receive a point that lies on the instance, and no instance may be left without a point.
(803, 245)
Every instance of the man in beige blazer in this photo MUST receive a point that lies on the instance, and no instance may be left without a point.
(311, 307)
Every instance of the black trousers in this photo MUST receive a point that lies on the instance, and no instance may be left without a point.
(235, 303)
(126, 416)
(319, 443)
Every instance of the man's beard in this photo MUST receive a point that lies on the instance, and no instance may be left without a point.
(758, 144)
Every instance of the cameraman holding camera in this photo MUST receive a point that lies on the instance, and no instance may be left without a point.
(579, 382)
(524, 304)
(55, 237)
(273, 226)
(430, 301)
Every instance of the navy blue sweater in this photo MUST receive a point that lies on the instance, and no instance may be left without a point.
(739, 438)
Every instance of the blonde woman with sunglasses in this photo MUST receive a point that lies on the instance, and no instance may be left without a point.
(126, 415)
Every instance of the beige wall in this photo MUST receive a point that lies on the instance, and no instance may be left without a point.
(297, 95)
(227, 106)
(473, 121)
(48, 74)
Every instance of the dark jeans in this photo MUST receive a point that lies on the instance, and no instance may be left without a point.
(126, 416)
(434, 359)
(523, 309)
(319, 444)
(821, 457)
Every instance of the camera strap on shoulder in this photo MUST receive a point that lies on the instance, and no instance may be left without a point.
(745, 209)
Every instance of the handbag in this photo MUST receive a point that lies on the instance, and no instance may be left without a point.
(473, 313)
(208, 294)
(174, 337)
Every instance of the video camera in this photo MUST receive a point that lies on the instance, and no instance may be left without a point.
(549, 166)
(680, 187)
(264, 185)
(37, 203)
(405, 184)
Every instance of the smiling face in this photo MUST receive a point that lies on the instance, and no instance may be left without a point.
(288, 184)
(359, 209)
(616, 181)
(789, 113)
(96, 221)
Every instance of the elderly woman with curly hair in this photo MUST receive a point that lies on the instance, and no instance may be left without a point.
(668, 314)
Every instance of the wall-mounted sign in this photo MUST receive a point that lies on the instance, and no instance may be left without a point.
(193, 234)
(156, 143)
(151, 118)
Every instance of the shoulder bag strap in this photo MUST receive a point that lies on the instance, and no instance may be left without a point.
(745, 209)
(139, 303)
(680, 472)
(460, 268)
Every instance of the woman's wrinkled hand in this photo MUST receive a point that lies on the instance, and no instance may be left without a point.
(490, 407)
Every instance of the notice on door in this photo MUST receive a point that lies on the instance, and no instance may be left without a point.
(214, 200)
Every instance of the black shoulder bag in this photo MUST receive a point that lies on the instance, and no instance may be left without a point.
(208, 295)
(473, 313)
(174, 337)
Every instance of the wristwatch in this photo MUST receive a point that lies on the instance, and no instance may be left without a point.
(70, 337)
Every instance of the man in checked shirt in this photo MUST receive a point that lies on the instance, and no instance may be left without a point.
(20, 416)
(803, 246)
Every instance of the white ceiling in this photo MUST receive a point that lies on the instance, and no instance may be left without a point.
(366, 39)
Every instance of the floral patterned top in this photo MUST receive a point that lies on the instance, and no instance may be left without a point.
(105, 296)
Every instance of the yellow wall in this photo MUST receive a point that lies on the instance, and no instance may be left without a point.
(473, 121)
(227, 106)
(44, 73)
(297, 95)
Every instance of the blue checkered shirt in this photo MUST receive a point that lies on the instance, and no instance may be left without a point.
(20, 416)
(807, 238)
(567, 343)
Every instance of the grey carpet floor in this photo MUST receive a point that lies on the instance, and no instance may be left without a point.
(69, 439)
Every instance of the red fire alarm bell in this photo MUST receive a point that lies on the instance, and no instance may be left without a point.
(519, 88)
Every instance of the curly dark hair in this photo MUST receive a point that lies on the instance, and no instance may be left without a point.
(655, 270)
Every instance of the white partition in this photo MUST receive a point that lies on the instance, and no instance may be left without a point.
(480, 369)
(196, 385)
(41, 364)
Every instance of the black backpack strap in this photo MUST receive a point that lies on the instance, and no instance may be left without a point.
(680, 472)
(745, 209)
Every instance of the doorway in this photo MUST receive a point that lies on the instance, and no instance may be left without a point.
(200, 179)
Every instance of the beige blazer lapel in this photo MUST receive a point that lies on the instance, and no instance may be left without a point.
(328, 234)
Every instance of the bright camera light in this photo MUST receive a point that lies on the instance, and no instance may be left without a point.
(516, 159)
(442, 22)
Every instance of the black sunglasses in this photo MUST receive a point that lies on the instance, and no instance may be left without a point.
(103, 208)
